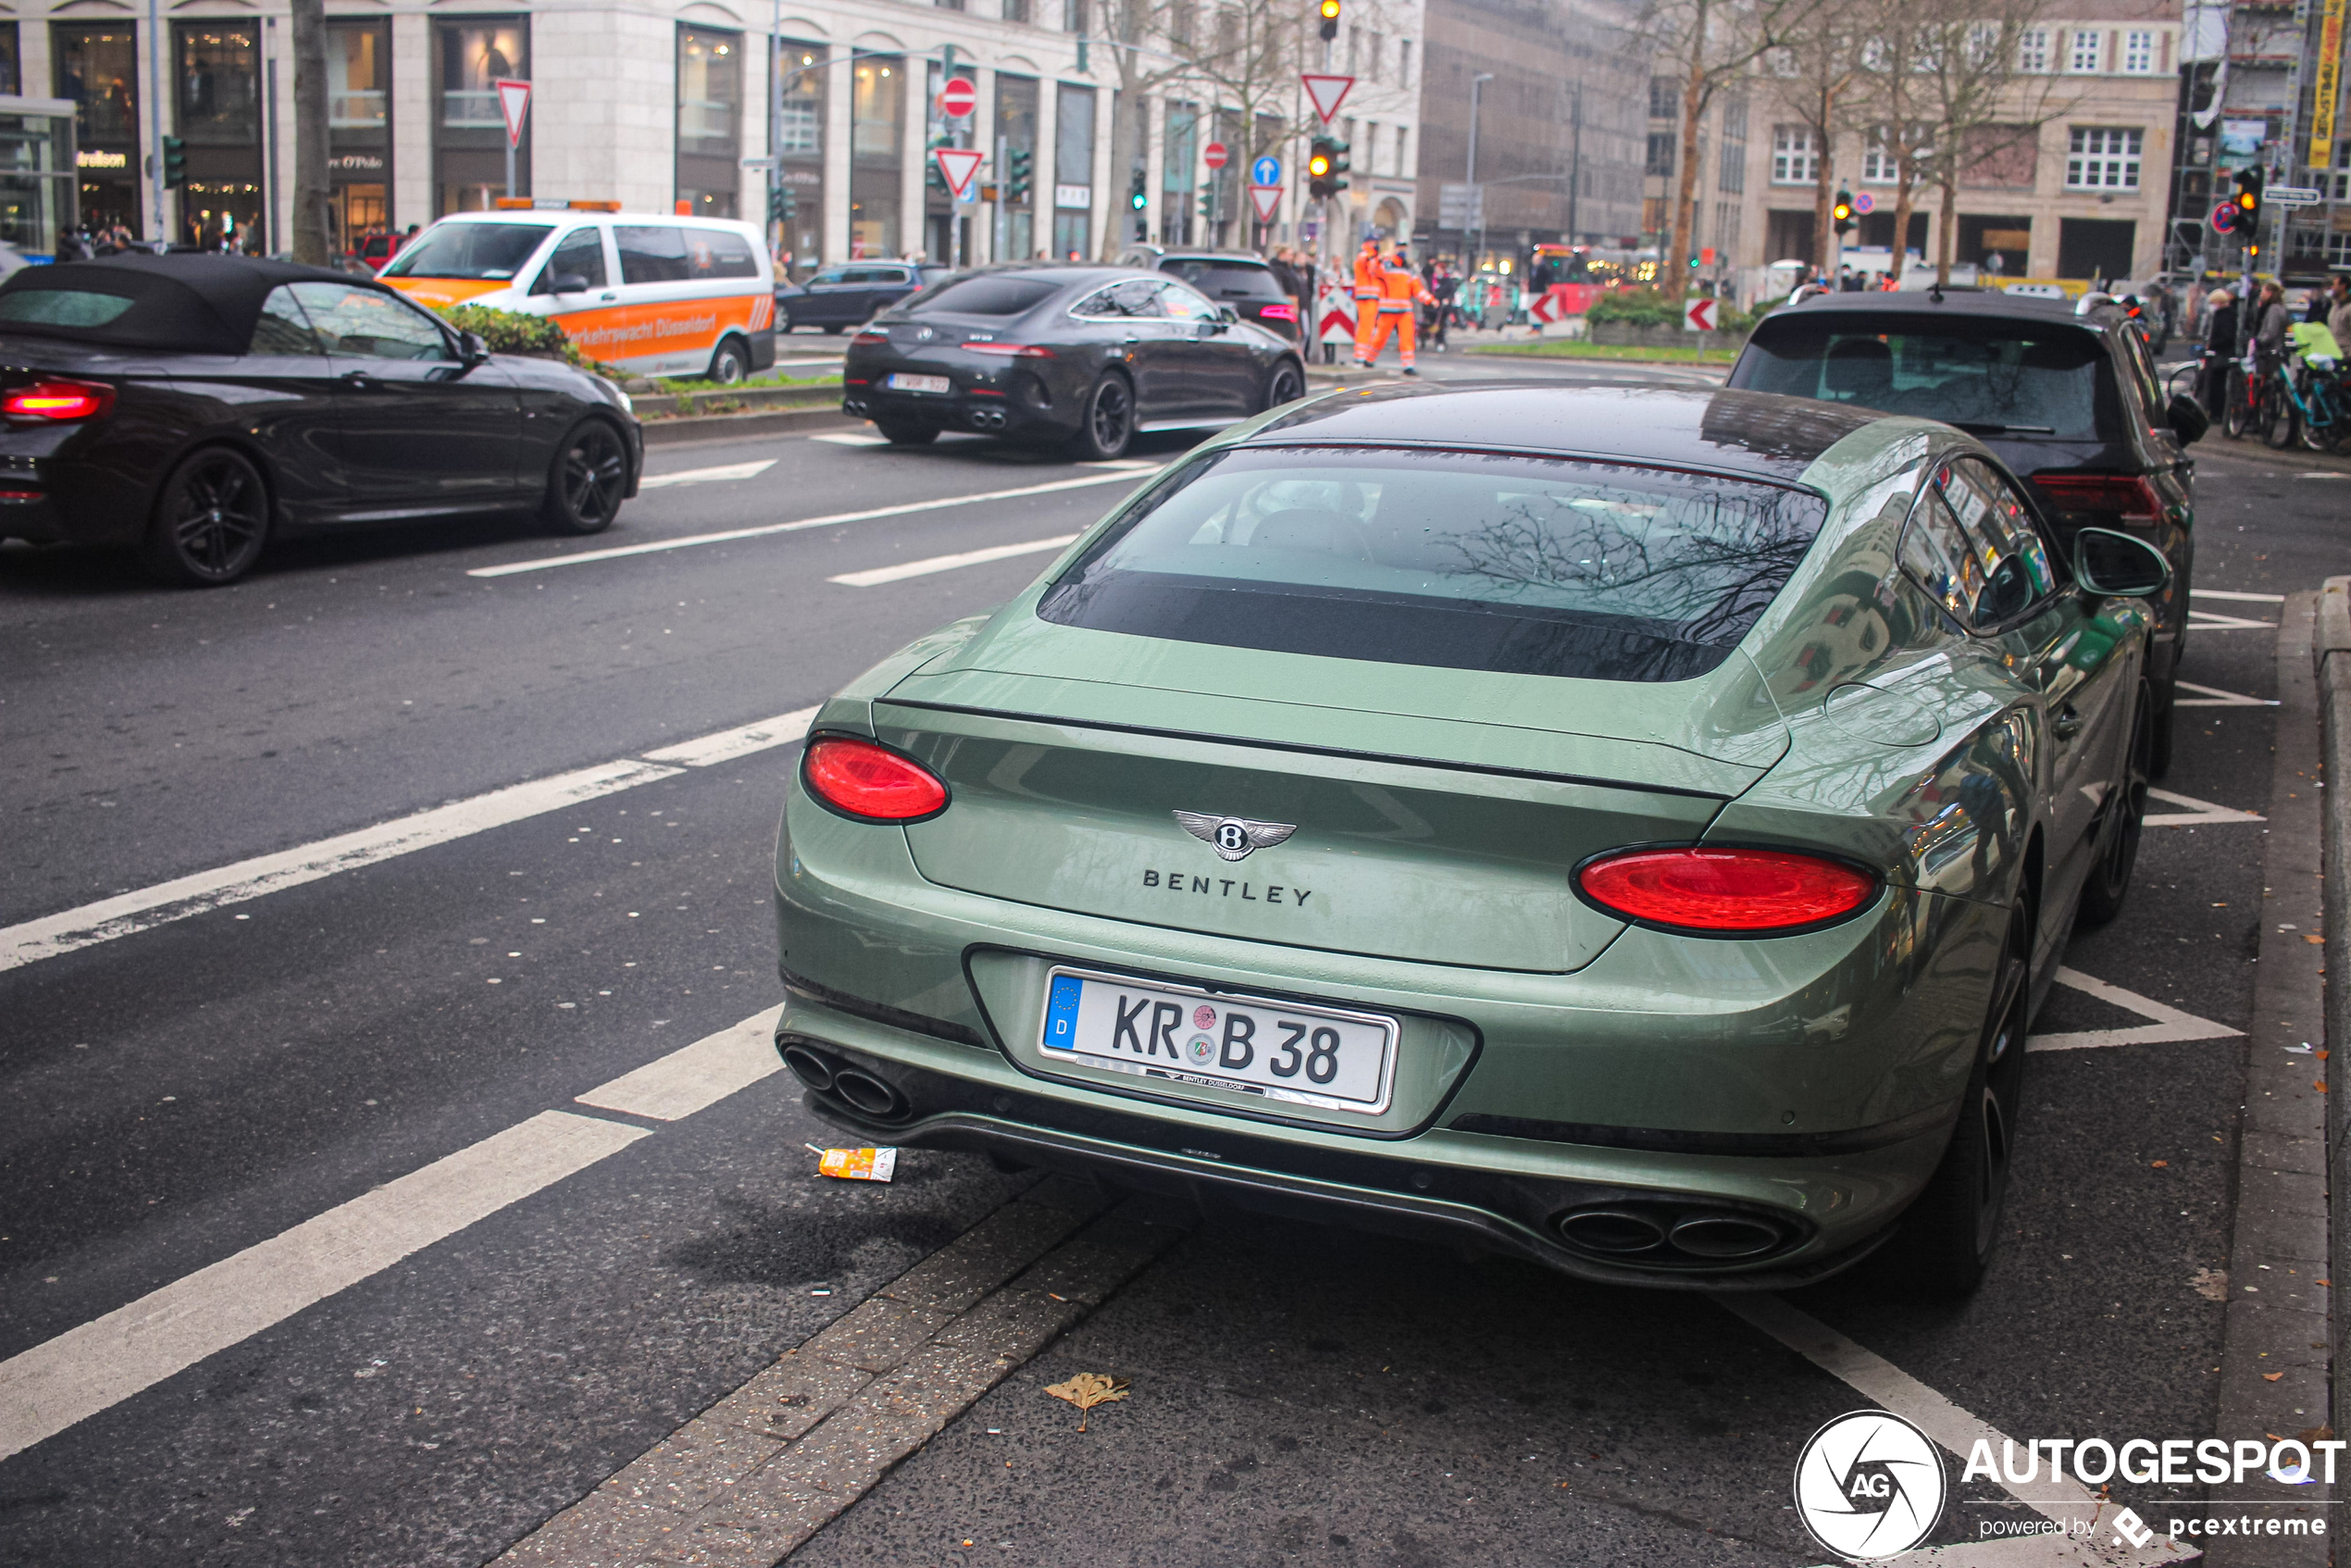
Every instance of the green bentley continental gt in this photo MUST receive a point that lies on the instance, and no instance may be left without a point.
(1626, 828)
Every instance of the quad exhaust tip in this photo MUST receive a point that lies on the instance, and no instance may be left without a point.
(988, 419)
(1672, 1234)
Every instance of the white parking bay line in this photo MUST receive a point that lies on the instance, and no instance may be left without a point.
(2198, 811)
(61, 1381)
(2215, 698)
(2240, 598)
(851, 438)
(2168, 1024)
(145, 908)
(725, 471)
(949, 562)
(106, 1361)
(1118, 476)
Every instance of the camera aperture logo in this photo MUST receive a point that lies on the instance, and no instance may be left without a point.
(1869, 1485)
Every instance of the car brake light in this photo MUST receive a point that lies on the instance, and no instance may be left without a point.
(58, 400)
(2128, 496)
(1278, 311)
(869, 339)
(1019, 351)
(870, 782)
(1724, 890)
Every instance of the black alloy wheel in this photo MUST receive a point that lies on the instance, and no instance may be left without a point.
(1107, 423)
(1285, 385)
(1948, 1235)
(589, 478)
(211, 520)
(2109, 881)
(731, 364)
(906, 434)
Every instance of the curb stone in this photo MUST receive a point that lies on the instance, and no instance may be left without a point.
(2331, 659)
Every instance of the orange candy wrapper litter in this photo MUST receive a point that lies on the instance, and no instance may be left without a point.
(855, 1165)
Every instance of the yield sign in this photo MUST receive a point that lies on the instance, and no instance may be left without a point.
(1267, 200)
(1327, 93)
(514, 102)
(958, 165)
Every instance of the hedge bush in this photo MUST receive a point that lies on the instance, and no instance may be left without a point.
(1661, 307)
(516, 331)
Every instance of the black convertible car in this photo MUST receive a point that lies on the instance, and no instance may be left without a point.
(1046, 353)
(194, 406)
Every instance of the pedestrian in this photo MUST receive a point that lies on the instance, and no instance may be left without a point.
(2271, 321)
(1400, 291)
(2339, 309)
(2159, 316)
(2221, 351)
(1367, 295)
(1444, 285)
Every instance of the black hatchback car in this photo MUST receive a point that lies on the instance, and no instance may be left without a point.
(849, 293)
(1245, 283)
(2070, 403)
(194, 406)
(1062, 353)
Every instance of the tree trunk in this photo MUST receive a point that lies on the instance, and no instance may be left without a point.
(1902, 205)
(1675, 262)
(1825, 234)
(1127, 108)
(1948, 223)
(310, 194)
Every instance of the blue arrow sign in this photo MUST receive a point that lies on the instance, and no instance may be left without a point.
(1266, 171)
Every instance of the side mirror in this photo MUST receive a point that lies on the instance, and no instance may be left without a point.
(2118, 565)
(2187, 419)
(568, 283)
(1227, 314)
(471, 349)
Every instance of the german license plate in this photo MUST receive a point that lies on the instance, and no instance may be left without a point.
(1284, 1051)
(899, 382)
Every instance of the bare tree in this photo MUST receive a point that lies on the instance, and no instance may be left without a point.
(1816, 73)
(308, 25)
(1709, 44)
(1979, 100)
(1886, 111)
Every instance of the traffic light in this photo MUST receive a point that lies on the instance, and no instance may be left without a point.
(1134, 196)
(1208, 201)
(1842, 212)
(1018, 186)
(1330, 19)
(175, 163)
(1326, 161)
(2248, 219)
(782, 205)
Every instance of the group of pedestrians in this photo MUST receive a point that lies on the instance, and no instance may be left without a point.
(2242, 337)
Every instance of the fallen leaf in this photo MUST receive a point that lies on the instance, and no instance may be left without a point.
(2320, 1054)
(2316, 1434)
(2158, 1164)
(2315, 941)
(2318, 1084)
(1088, 1389)
(2210, 1284)
(2271, 1376)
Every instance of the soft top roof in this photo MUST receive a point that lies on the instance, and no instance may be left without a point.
(187, 304)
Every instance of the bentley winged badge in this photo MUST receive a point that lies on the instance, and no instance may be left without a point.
(1234, 837)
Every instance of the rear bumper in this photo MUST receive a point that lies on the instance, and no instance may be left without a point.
(1018, 412)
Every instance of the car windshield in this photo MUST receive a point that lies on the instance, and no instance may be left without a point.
(1460, 560)
(1227, 279)
(1994, 378)
(469, 250)
(983, 296)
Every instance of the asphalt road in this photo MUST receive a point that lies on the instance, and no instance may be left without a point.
(1300, 1394)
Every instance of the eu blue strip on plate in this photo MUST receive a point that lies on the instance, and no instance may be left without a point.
(1061, 1013)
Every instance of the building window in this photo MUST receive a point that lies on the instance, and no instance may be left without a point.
(1072, 171)
(1734, 119)
(11, 69)
(1730, 174)
(219, 116)
(1726, 232)
(359, 129)
(1178, 151)
(2138, 51)
(2033, 51)
(97, 68)
(1665, 97)
(1016, 11)
(710, 74)
(1016, 128)
(2100, 160)
(1074, 15)
(1660, 153)
(877, 119)
(799, 145)
(1794, 161)
(469, 135)
(358, 69)
(2088, 52)
(1403, 62)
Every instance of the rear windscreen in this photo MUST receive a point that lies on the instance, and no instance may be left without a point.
(1992, 378)
(61, 307)
(984, 296)
(1517, 565)
(469, 250)
(1225, 279)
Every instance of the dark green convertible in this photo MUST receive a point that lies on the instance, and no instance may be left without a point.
(1626, 828)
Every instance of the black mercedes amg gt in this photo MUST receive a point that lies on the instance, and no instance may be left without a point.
(195, 407)
(1088, 355)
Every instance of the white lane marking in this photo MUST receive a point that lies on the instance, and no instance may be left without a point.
(61, 1381)
(2215, 698)
(750, 470)
(2170, 1024)
(899, 573)
(2198, 811)
(851, 438)
(2212, 620)
(689, 541)
(199, 891)
(2324, 476)
(145, 908)
(2243, 598)
(698, 1076)
(1955, 1429)
(728, 745)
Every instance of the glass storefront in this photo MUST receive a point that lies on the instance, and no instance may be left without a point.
(877, 131)
(1016, 132)
(219, 118)
(359, 130)
(1072, 172)
(710, 99)
(800, 150)
(96, 67)
(1180, 152)
(11, 70)
(470, 133)
(37, 180)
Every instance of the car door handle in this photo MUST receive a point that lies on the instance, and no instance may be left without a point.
(2067, 723)
(608, 296)
(358, 381)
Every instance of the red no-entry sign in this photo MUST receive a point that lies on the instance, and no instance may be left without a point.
(1215, 155)
(958, 98)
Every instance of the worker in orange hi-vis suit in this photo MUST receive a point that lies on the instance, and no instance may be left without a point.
(1401, 292)
(1367, 294)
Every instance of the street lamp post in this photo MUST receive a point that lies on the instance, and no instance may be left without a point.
(1477, 214)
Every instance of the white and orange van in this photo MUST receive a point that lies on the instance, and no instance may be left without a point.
(650, 294)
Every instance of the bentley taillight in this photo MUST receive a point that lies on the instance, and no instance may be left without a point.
(870, 782)
(1724, 891)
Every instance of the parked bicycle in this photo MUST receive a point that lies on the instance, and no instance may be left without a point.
(2319, 404)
